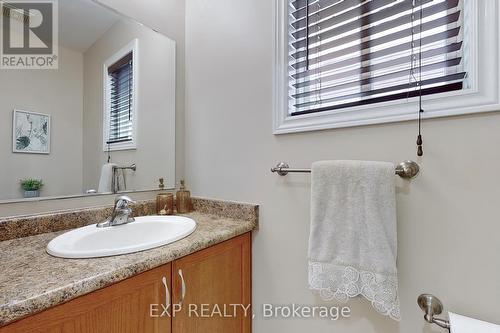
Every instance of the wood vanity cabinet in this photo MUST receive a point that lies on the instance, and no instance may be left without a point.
(214, 278)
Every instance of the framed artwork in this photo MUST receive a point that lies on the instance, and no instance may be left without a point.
(30, 132)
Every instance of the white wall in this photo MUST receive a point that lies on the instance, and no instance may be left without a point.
(155, 115)
(58, 93)
(448, 218)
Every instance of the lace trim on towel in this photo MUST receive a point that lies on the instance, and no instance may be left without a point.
(340, 283)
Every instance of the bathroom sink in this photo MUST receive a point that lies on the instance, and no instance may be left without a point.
(146, 232)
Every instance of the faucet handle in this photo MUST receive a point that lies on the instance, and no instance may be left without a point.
(123, 201)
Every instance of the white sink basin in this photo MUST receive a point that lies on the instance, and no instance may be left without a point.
(146, 232)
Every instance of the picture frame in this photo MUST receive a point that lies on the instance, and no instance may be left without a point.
(30, 132)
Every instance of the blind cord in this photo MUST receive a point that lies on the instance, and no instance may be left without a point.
(130, 87)
(318, 50)
(420, 150)
(307, 35)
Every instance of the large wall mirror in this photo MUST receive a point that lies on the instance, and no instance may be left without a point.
(102, 122)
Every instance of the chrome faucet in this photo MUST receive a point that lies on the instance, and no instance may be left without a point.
(121, 213)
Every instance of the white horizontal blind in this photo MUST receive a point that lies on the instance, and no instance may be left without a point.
(345, 53)
(120, 89)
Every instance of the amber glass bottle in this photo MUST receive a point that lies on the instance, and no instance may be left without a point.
(164, 201)
(183, 199)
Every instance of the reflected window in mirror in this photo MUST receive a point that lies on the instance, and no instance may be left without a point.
(120, 96)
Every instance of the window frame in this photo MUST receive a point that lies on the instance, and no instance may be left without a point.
(481, 95)
(133, 47)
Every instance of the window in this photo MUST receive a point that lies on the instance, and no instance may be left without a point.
(120, 94)
(120, 76)
(343, 63)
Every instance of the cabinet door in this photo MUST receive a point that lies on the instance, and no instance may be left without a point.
(217, 285)
(125, 307)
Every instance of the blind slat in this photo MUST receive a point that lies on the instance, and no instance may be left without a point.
(414, 93)
(382, 65)
(443, 21)
(442, 36)
(320, 10)
(370, 30)
(121, 80)
(358, 23)
(357, 11)
(314, 6)
(440, 79)
(120, 118)
(371, 80)
(120, 101)
(117, 140)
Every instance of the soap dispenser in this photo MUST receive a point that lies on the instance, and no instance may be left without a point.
(183, 199)
(164, 201)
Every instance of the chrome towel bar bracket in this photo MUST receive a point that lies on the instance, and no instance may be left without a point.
(406, 169)
(432, 306)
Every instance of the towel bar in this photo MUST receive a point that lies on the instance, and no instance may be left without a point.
(133, 167)
(406, 169)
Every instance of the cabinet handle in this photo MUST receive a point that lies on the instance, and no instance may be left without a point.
(167, 292)
(183, 288)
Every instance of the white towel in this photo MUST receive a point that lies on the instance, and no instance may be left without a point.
(353, 240)
(106, 180)
(120, 181)
(461, 324)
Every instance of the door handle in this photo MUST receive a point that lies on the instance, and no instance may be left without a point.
(183, 288)
(167, 292)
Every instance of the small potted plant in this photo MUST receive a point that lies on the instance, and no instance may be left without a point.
(31, 187)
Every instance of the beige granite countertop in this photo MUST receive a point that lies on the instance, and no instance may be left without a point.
(31, 280)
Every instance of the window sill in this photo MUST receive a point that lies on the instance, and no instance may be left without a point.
(443, 105)
(120, 146)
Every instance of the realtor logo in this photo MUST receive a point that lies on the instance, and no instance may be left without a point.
(29, 33)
